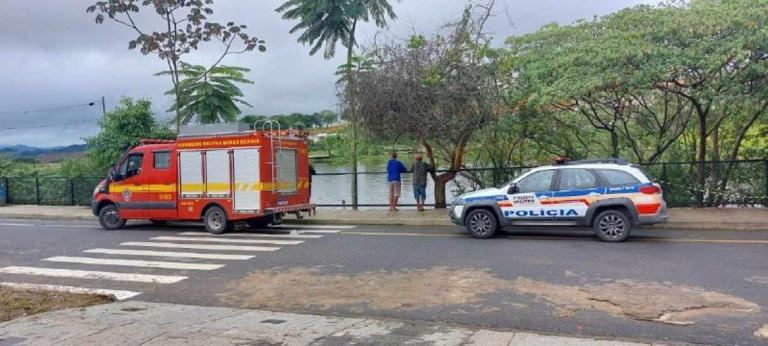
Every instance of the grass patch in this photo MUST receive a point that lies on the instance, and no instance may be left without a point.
(19, 303)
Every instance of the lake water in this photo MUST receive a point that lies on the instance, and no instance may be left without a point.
(372, 188)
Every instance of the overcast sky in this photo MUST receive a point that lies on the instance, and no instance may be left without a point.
(53, 55)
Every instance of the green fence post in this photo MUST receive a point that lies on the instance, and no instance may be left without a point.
(765, 197)
(37, 190)
(72, 190)
(664, 184)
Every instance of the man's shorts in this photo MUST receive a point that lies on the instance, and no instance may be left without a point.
(420, 192)
(394, 189)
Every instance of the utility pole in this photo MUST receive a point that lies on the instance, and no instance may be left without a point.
(103, 107)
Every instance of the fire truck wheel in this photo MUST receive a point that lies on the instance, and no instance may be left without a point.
(215, 220)
(109, 217)
(277, 218)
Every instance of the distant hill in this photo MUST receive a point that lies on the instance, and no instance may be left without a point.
(50, 154)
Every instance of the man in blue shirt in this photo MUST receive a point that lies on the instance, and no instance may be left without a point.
(394, 168)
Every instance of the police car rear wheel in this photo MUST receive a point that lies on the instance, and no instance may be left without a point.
(109, 218)
(216, 220)
(612, 226)
(481, 223)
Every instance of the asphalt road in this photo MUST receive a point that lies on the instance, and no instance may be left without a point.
(542, 280)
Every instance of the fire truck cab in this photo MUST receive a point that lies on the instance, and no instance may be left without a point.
(219, 173)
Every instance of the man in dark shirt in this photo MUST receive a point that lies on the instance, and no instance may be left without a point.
(394, 168)
(420, 170)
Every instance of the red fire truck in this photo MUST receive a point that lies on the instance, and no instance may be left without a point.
(219, 174)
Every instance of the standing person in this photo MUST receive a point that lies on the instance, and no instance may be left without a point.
(420, 170)
(394, 168)
(311, 173)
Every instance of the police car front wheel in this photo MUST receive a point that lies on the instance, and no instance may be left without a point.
(481, 223)
(612, 225)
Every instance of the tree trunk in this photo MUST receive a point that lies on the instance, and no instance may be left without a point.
(175, 78)
(353, 111)
(702, 157)
(440, 182)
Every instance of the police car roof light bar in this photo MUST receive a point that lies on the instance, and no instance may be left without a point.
(615, 160)
(560, 160)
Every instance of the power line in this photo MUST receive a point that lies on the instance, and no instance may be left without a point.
(49, 125)
(89, 104)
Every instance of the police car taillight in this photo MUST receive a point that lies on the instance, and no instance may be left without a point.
(650, 190)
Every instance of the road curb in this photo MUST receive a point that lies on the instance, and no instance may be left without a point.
(79, 215)
(48, 217)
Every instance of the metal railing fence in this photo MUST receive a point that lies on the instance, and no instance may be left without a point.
(742, 183)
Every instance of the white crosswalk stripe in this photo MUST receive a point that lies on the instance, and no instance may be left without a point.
(134, 263)
(150, 253)
(256, 235)
(316, 226)
(201, 246)
(327, 231)
(230, 240)
(117, 294)
(96, 275)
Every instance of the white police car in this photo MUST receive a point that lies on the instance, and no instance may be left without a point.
(607, 194)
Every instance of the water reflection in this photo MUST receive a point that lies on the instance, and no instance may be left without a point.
(372, 188)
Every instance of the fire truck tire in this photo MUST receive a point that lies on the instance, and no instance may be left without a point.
(216, 221)
(109, 217)
(277, 218)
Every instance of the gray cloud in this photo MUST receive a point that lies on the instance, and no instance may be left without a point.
(55, 55)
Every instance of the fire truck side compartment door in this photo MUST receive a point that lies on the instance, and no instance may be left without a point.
(190, 174)
(247, 179)
(286, 171)
(217, 173)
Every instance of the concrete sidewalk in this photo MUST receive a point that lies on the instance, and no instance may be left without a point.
(134, 323)
(754, 219)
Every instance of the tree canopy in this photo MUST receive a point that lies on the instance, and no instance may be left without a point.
(122, 128)
(209, 95)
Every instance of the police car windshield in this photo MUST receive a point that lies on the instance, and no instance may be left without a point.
(519, 172)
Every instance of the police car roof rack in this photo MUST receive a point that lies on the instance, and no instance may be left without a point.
(615, 160)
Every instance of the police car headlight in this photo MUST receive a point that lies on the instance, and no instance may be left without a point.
(458, 201)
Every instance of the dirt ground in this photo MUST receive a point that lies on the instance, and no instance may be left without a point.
(316, 289)
(762, 332)
(649, 301)
(19, 303)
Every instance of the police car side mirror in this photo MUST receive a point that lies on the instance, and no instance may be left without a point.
(512, 189)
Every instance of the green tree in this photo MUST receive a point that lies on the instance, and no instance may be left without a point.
(209, 95)
(182, 26)
(327, 117)
(437, 91)
(122, 128)
(326, 22)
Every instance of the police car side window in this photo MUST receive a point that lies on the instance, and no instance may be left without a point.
(539, 181)
(573, 179)
(618, 178)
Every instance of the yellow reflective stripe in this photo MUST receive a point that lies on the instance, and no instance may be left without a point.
(144, 187)
(218, 188)
(191, 187)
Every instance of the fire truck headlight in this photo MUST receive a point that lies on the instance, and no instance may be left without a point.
(99, 188)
